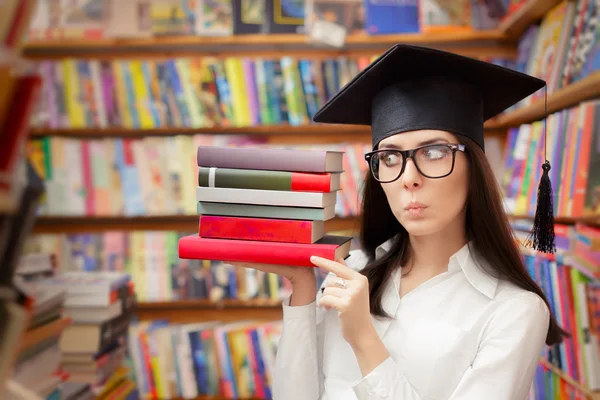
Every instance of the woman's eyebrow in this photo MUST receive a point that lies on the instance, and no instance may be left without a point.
(423, 143)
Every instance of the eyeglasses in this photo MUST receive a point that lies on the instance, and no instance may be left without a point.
(432, 161)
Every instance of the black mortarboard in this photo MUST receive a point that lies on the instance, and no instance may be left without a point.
(412, 88)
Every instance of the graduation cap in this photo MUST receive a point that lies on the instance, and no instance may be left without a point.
(411, 88)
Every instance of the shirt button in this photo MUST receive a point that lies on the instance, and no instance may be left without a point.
(383, 392)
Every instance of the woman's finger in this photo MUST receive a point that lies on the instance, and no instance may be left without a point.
(336, 281)
(340, 270)
(333, 302)
(334, 291)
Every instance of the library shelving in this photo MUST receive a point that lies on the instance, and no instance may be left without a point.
(353, 131)
(517, 22)
(500, 42)
(186, 311)
(586, 88)
(184, 223)
(180, 223)
(492, 43)
(593, 220)
(591, 395)
(497, 42)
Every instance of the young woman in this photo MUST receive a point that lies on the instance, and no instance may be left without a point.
(437, 304)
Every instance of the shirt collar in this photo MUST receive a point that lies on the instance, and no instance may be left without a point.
(464, 259)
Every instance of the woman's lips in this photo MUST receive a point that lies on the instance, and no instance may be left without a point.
(415, 209)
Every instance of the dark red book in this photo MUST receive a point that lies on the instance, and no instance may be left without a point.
(294, 254)
(261, 229)
(16, 124)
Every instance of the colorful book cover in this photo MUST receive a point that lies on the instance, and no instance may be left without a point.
(592, 196)
(392, 16)
(445, 16)
(285, 16)
(248, 16)
(214, 17)
(172, 17)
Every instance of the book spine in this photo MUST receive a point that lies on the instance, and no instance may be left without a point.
(255, 159)
(293, 254)
(262, 229)
(265, 197)
(261, 179)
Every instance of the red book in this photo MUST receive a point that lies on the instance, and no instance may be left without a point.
(16, 124)
(294, 254)
(261, 229)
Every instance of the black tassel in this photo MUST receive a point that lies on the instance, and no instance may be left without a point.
(542, 236)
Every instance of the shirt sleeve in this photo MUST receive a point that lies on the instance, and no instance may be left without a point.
(503, 368)
(298, 365)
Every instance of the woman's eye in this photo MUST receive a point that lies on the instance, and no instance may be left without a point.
(389, 159)
(435, 153)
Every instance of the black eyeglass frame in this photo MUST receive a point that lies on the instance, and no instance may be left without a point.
(407, 154)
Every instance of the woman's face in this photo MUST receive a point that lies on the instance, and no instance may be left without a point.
(426, 206)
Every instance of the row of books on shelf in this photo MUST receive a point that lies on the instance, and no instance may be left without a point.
(229, 360)
(85, 320)
(190, 92)
(160, 175)
(572, 146)
(565, 47)
(145, 18)
(156, 270)
(570, 280)
(250, 91)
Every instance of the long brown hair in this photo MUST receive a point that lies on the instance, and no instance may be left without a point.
(487, 227)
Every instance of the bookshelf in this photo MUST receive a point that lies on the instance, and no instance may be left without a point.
(517, 22)
(493, 43)
(501, 42)
(180, 223)
(588, 219)
(190, 223)
(571, 95)
(498, 42)
(187, 311)
(586, 88)
(591, 395)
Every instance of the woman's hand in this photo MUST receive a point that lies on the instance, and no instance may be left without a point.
(303, 280)
(348, 293)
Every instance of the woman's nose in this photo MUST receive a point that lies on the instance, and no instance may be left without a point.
(411, 178)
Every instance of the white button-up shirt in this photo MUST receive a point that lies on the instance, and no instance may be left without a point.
(463, 334)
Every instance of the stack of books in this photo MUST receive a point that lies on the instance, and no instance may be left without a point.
(36, 367)
(266, 205)
(94, 346)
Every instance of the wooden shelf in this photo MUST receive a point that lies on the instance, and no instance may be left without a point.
(492, 43)
(313, 133)
(570, 381)
(588, 220)
(263, 130)
(41, 333)
(585, 89)
(204, 310)
(530, 12)
(181, 223)
(213, 398)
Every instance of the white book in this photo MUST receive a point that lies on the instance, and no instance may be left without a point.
(265, 197)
